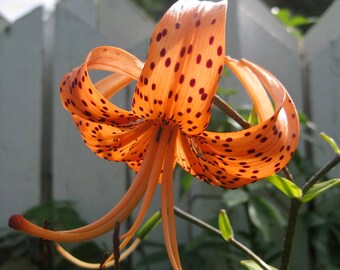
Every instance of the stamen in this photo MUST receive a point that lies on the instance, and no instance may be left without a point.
(119, 213)
(116, 250)
(154, 177)
(168, 217)
(108, 262)
(45, 249)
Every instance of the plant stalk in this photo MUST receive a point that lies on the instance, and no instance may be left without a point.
(294, 211)
(180, 213)
(224, 107)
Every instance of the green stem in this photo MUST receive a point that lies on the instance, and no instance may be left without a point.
(217, 232)
(224, 107)
(294, 211)
(326, 168)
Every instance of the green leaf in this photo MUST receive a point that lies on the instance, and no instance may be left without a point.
(264, 215)
(251, 265)
(317, 189)
(233, 198)
(331, 142)
(252, 119)
(149, 225)
(61, 214)
(286, 186)
(224, 225)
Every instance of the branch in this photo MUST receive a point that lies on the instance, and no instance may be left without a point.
(224, 107)
(295, 207)
(325, 169)
(217, 232)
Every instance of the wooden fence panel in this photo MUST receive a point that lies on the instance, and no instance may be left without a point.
(78, 174)
(76, 27)
(255, 34)
(20, 114)
(322, 47)
(127, 27)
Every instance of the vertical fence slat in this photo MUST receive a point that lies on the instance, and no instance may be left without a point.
(94, 184)
(3, 22)
(83, 9)
(322, 46)
(127, 27)
(20, 114)
(264, 40)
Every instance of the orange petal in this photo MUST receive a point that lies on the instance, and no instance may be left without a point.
(254, 88)
(234, 159)
(123, 143)
(82, 98)
(184, 63)
(193, 161)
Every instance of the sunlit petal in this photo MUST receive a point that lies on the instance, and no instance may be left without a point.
(184, 63)
(80, 96)
(234, 159)
(122, 143)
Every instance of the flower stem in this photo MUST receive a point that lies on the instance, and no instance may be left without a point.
(217, 232)
(295, 207)
(226, 108)
(326, 168)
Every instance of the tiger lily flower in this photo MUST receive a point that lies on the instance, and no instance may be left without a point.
(171, 108)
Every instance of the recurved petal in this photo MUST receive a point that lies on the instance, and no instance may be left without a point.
(184, 63)
(189, 157)
(82, 98)
(124, 143)
(235, 159)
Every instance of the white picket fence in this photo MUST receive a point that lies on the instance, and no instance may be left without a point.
(41, 153)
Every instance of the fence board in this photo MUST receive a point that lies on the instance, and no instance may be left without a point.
(83, 9)
(129, 25)
(3, 22)
(78, 174)
(322, 46)
(20, 114)
(255, 34)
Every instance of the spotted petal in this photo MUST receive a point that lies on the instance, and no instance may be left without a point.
(82, 98)
(234, 159)
(184, 64)
(123, 143)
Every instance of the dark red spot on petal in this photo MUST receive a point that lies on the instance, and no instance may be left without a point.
(159, 36)
(219, 50)
(181, 79)
(209, 63)
(176, 67)
(204, 96)
(192, 82)
(198, 59)
(190, 49)
(162, 52)
(182, 53)
(168, 62)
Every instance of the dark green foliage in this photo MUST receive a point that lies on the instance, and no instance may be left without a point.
(59, 215)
